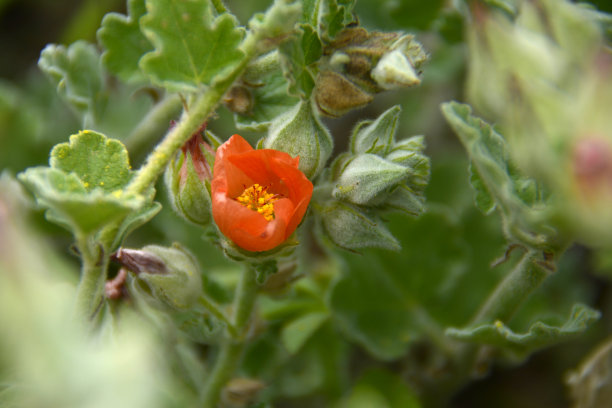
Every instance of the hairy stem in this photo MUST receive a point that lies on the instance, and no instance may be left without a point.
(231, 351)
(202, 107)
(154, 124)
(216, 311)
(512, 291)
(93, 276)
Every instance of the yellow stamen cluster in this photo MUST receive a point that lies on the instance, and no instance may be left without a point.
(258, 199)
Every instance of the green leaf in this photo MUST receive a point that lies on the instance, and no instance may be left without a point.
(191, 48)
(483, 199)
(295, 334)
(376, 136)
(539, 335)
(77, 73)
(270, 99)
(381, 389)
(338, 14)
(98, 162)
(298, 57)
(69, 203)
(133, 221)
(82, 189)
(497, 181)
(123, 41)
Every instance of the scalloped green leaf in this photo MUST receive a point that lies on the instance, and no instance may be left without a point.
(77, 73)
(71, 205)
(82, 190)
(270, 100)
(538, 335)
(123, 41)
(299, 56)
(376, 136)
(98, 162)
(192, 49)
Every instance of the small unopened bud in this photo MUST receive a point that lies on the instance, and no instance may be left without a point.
(368, 179)
(351, 227)
(171, 273)
(299, 132)
(188, 180)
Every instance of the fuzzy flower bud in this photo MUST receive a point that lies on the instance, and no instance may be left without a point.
(171, 274)
(188, 180)
(300, 133)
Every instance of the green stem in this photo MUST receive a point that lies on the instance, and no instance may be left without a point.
(512, 291)
(231, 351)
(154, 124)
(216, 311)
(93, 276)
(190, 122)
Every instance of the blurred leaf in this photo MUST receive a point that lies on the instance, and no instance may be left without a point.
(299, 56)
(192, 48)
(538, 336)
(123, 41)
(591, 383)
(381, 389)
(298, 331)
(77, 73)
(403, 14)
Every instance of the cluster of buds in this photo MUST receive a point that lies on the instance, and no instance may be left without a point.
(378, 174)
(357, 64)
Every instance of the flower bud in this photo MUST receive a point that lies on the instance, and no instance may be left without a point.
(188, 180)
(299, 132)
(171, 274)
(368, 179)
(350, 227)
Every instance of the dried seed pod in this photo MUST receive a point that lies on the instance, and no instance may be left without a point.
(335, 95)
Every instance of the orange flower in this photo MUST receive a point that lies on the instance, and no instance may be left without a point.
(258, 196)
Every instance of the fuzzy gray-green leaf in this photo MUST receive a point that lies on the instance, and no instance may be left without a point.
(538, 335)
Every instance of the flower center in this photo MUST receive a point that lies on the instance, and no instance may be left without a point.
(258, 199)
